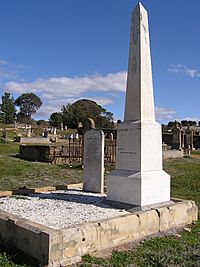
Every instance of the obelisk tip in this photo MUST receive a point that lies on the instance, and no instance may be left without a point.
(140, 6)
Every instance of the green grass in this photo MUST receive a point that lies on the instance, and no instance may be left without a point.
(15, 173)
(9, 149)
(185, 178)
(179, 250)
(196, 152)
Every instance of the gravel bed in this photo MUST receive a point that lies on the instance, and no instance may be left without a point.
(60, 209)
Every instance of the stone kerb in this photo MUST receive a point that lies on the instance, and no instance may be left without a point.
(63, 247)
(93, 176)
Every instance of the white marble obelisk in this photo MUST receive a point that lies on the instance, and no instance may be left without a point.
(138, 178)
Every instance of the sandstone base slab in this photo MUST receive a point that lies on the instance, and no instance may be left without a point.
(61, 247)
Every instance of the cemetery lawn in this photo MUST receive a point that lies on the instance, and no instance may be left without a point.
(181, 249)
(15, 173)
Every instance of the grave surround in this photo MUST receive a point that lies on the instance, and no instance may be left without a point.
(62, 247)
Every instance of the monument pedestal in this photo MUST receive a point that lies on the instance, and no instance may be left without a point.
(139, 188)
(138, 178)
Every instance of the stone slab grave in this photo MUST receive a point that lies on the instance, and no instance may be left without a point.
(138, 201)
(58, 227)
(93, 176)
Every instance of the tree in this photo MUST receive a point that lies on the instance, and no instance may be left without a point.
(171, 124)
(7, 109)
(28, 103)
(83, 109)
(56, 119)
(184, 123)
(192, 123)
(42, 123)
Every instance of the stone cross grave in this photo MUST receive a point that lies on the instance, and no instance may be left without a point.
(93, 161)
(177, 137)
(189, 138)
(138, 178)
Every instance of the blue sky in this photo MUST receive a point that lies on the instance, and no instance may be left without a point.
(64, 50)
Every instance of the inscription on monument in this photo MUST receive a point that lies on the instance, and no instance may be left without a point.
(126, 149)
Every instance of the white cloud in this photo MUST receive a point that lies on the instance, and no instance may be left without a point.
(7, 74)
(57, 91)
(179, 68)
(4, 62)
(9, 70)
(165, 113)
(57, 87)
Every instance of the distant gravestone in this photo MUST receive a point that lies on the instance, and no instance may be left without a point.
(89, 124)
(189, 138)
(61, 126)
(176, 137)
(4, 134)
(110, 136)
(29, 133)
(46, 133)
(93, 177)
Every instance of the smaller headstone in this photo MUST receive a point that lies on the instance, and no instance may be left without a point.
(46, 133)
(29, 133)
(65, 127)
(76, 136)
(61, 126)
(4, 134)
(54, 131)
(93, 177)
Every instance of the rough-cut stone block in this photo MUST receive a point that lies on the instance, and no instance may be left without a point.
(73, 186)
(45, 189)
(182, 213)
(5, 193)
(164, 219)
(63, 247)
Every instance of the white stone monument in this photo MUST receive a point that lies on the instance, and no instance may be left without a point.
(138, 178)
(93, 175)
